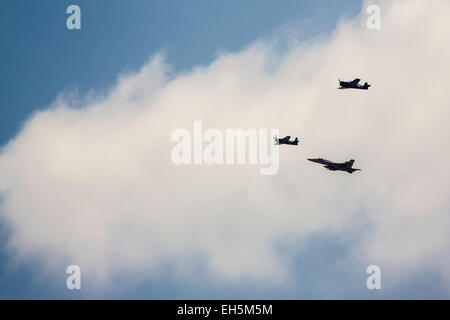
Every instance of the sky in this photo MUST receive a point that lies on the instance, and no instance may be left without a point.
(85, 169)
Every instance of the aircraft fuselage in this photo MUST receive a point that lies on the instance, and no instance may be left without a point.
(336, 166)
(294, 143)
(285, 140)
(353, 85)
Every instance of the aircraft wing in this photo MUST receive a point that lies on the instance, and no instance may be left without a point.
(355, 82)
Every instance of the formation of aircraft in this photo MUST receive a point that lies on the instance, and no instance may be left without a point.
(330, 165)
(353, 84)
(336, 166)
(285, 140)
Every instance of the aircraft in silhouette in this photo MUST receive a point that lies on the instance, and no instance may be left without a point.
(335, 166)
(353, 84)
(285, 140)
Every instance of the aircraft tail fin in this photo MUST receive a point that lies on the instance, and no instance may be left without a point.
(350, 163)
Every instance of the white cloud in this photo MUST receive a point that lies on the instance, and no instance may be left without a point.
(94, 186)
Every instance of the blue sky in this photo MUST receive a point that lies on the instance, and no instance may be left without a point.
(41, 59)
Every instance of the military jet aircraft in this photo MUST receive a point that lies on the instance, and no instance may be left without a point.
(334, 166)
(353, 84)
(285, 140)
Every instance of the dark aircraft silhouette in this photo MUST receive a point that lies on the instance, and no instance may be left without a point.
(353, 84)
(285, 140)
(333, 166)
